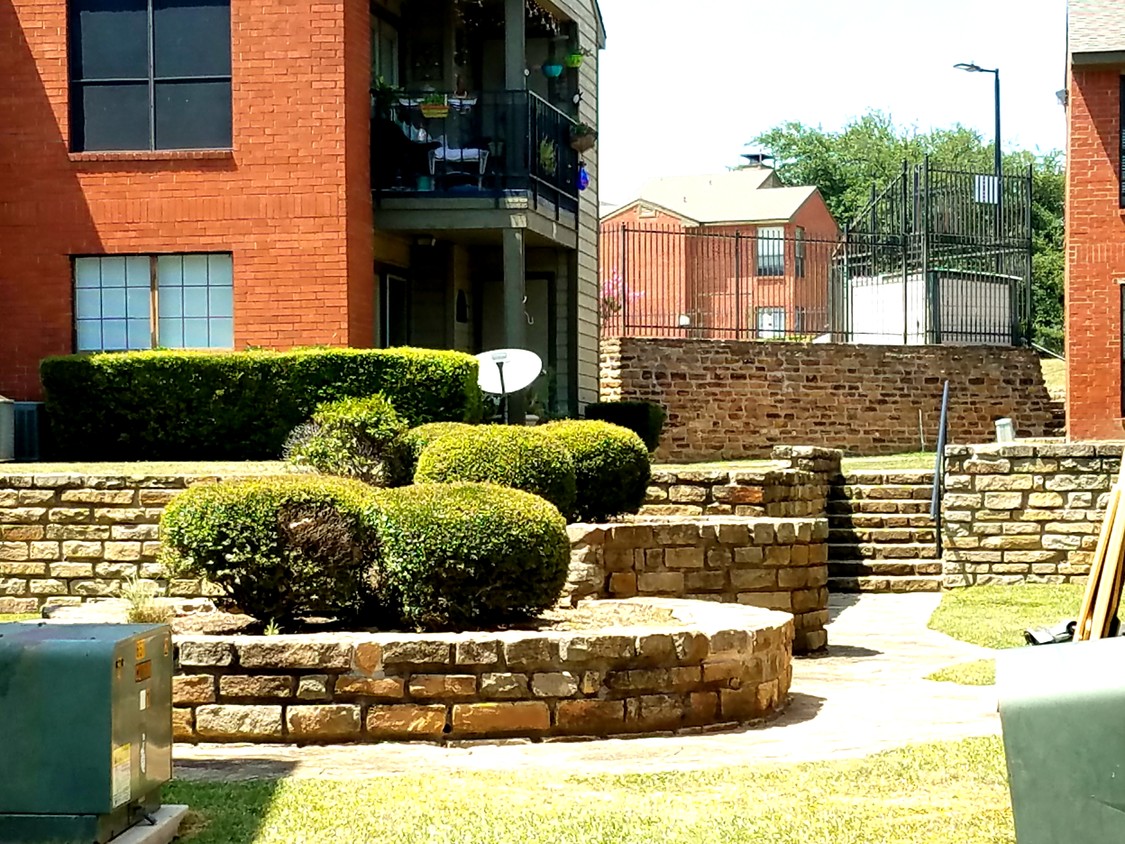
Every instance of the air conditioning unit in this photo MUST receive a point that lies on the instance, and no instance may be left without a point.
(27, 415)
(7, 430)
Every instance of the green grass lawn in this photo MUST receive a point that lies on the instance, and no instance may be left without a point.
(1054, 376)
(6, 617)
(938, 793)
(995, 617)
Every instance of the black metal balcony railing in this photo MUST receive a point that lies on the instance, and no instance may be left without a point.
(493, 144)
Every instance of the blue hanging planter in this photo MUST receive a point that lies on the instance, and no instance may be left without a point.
(552, 70)
(583, 177)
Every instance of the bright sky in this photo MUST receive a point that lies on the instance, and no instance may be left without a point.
(685, 84)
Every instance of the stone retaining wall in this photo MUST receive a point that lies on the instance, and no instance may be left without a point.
(1024, 512)
(736, 399)
(779, 564)
(65, 538)
(797, 484)
(712, 665)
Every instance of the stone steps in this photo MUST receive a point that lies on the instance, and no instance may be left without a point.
(1058, 418)
(881, 537)
(885, 584)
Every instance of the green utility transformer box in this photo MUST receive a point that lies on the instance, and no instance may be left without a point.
(85, 729)
(1061, 707)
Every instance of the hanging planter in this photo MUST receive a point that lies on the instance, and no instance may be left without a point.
(576, 56)
(434, 106)
(552, 69)
(583, 138)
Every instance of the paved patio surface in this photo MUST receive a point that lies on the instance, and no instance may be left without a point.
(867, 694)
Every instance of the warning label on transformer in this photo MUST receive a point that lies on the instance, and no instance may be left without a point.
(122, 774)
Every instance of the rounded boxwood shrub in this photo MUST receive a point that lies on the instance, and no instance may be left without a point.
(646, 418)
(417, 439)
(281, 547)
(611, 467)
(465, 556)
(508, 455)
(358, 438)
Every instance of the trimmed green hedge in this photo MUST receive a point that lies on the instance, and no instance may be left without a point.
(646, 418)
(281, 547)
(508, 455)
(418, 438)
(184, 405)
(611, 466)
(359, 438)
(467, 556)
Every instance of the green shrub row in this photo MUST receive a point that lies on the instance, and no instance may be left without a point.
(427, 557)
(184, 405)
(646, 418)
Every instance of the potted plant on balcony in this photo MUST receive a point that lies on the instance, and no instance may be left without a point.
(552, 68)
(548, 157)
(583, 137)
(576, 56)
(434, 105)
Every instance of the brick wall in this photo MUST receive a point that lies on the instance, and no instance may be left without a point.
(1017, 513)
(1095, 247)
(706, 666)
(291, 201)
(732, 399)
(779, 564)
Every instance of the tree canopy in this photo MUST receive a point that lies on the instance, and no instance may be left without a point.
(870, 151)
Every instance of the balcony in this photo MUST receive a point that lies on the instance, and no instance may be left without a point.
(486, 151)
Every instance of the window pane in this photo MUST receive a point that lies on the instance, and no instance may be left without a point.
(220, 301)
(113, 302)
(170, 302)
(137, 302)
(195, 301)
(114, 337)
(192, 37)
(193, 115)
(114, 117)
(110, 39)
(87, 304)
(169, 271)
(89, 337)
(171, 334)
(195, 334)
(87, 272)
(222, 333)
(220, 270)
(195, 270)
(138, 271)
(139, 335)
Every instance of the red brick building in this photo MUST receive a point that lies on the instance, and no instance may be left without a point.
(1095, 221)
(730, 255)
(184, 174)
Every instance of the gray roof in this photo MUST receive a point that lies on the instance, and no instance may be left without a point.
(1096, 26)
(737, 196)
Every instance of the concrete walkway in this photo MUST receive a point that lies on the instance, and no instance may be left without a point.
(865, 695)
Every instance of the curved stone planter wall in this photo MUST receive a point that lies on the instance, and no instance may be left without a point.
(779, 564)
(713, 665)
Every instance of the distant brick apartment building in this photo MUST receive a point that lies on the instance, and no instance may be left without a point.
(734, 255)
(1095, 220)
(176, 173)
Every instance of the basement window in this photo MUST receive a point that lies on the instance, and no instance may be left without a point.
(128, 302)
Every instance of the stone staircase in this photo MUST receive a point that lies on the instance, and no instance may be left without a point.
(1058, 420)
(881, 537)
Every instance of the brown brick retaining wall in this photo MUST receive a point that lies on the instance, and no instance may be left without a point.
(737, 399)
(712, 665)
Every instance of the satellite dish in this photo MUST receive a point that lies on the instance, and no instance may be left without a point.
(507, 371)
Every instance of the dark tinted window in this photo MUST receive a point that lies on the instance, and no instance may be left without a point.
(133, 92)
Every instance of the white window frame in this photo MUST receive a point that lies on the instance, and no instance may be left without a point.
(775, 328)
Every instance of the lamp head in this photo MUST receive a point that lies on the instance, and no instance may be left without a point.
(971, 67)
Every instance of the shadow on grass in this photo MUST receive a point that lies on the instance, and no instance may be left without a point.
(220, 813)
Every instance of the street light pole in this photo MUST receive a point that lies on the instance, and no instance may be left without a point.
(997, 159)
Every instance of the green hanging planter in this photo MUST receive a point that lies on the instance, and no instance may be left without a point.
(574, 60)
